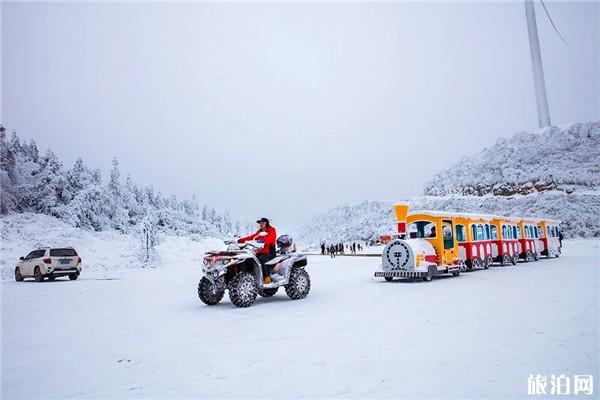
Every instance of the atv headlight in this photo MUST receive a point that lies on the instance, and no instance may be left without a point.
(224, 261)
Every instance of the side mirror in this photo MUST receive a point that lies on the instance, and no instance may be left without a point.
(21, 258)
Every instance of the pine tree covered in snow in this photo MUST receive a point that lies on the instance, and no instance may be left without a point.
(33, 183)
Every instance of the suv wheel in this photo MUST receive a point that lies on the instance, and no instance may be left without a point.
(73, 276)
(37, 274)
(18, 276)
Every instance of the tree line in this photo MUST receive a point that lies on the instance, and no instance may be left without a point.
(34, 182)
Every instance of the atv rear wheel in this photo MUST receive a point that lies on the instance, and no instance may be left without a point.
(299, 284)
(268, 292)
(211, 293)
(243, 290)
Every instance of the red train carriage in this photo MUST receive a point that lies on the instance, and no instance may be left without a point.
(530, 245)
(505, 245)
(474, 235)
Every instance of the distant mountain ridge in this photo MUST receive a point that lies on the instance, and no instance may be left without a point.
(554, 173)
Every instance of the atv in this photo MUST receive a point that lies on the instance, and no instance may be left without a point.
(238, 270)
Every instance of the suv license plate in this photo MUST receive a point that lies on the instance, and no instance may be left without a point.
(65, 261)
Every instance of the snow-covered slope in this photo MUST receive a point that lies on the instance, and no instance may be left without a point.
(557, 158)
(103, 253)
(551, 173)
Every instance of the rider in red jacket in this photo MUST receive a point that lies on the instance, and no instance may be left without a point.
(270, 241)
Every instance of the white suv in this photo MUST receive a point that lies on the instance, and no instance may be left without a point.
(50, 263)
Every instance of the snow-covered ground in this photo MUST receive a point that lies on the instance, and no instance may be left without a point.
(107, 253)
(146, 334)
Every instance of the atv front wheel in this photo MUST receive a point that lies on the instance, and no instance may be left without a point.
(211, 293)
(268, 292)
(299, 284)
(388, 278)
(243, 290)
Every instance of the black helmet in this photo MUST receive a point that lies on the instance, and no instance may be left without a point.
(284, 241)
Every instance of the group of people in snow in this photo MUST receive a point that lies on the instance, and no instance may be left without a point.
(340, 248)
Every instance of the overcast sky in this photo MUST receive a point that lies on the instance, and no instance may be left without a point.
(284, 110)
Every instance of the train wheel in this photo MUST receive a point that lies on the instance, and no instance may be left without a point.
(475, 264)
(487, 262)
(431, 271)
(514, 259)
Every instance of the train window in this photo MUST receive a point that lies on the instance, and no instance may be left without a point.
(504, 235)
(488, 234)
(494, 231)
(448, 235)
(461, 235)
(480, 234)
(540, 231)
(474, 230)
(516, 232)
(421, 230)
(549, 231)
(527, 232)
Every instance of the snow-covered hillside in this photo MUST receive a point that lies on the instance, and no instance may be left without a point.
(557, 158)
(107, 252)
(552, 173)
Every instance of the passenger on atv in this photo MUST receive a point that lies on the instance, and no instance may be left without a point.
(267, 234)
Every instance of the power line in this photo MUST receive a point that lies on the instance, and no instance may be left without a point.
(553, 24)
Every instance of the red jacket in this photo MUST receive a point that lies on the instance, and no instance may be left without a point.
(270, 240)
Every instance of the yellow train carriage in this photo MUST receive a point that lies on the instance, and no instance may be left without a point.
(475, 234)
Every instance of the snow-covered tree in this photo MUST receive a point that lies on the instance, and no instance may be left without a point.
(29, 182)
(148, 237)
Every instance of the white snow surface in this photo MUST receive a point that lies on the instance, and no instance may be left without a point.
(145, 334)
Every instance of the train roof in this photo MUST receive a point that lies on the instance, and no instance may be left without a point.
(483, 216)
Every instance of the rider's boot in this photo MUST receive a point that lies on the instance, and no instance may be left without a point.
(266, 280)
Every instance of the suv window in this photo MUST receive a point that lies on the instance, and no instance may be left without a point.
(35, 254)
(62, 252)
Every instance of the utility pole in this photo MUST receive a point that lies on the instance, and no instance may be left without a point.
(536, 64)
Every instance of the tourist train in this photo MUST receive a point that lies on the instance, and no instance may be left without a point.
(431, 243)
